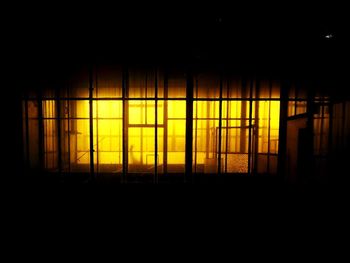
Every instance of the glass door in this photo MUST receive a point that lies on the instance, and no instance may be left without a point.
(144, 135)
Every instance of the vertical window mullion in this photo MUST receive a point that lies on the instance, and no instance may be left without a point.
(189, 126)
(220, 124)
(156, 128)
(250, 126)
(268, 131)
(91, 122)
(227, 125)
(125, 123)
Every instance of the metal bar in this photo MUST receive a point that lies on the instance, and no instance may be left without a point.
(97, 121)
(68, 135)
(196, 129)
(243, 114)
(194, 99)
(156, 129)
(40, 132)
(91, 87)
(125, 85)
(145, 126)
(165, 123)
(220, 125)
(269, 133)
(227, 124)
(58, 124)
(255, 149)
(189, 126)
(282, 136)
(250, 124)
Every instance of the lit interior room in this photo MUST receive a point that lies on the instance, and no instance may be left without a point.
(153, 125)
(182, 94)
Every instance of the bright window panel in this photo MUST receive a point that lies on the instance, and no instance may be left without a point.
(109, 141)
(108, 109)
(141, 152)
(143, 112)
(49, 108)
(176, 109)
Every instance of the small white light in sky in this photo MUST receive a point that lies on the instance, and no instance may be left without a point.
(329, 36)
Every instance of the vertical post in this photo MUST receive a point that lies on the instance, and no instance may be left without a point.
(91, 87)
(250, 125)
(125, 87)
(165, 121)
(96, 110)
(58, 125)
(189, 126)
(68, 133)
(227, 125)
(268, 130)
(220, 124)
(256, 125)
(243, 137)
(282, 136)
(195, 132)
(156, 128)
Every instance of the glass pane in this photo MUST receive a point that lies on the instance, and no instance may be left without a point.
(49, 108)
(107, 109)
(141, 154)
(274, 126)
(32, 109)
(142, 84)
(207, 86)
(77, 145)
(301, 107)
(108, 82)
(264, 89)
(176, 136)
(232, 89)
(177, 109)
(75, 109)
(143, 112)
(50, 145)
(33, 143)
(176, 145)
(78, 86)
(177, 85)
(108, 145)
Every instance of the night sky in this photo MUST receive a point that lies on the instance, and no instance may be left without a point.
(179, 32)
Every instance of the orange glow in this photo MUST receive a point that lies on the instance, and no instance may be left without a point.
(238, 132)
(107, 125)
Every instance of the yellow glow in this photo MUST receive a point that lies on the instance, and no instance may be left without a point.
(108, 131)
(176, 132)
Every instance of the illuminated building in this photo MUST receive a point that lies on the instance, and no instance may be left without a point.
(149, 94)
(155, 125)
